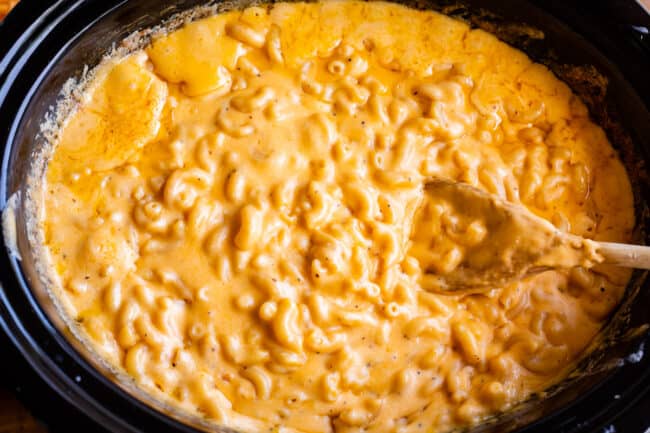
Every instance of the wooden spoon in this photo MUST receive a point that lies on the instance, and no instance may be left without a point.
(467, 239)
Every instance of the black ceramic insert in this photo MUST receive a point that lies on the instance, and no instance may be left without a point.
(45, 42)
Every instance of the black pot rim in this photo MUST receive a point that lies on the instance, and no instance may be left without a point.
(56, 361)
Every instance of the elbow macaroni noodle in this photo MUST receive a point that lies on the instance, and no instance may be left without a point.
(232, 215)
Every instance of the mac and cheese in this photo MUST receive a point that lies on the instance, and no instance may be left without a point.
(230, 215)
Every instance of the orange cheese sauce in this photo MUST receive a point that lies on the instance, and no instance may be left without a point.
(230, 212)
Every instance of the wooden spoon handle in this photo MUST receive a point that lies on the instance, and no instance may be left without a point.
(628, 256)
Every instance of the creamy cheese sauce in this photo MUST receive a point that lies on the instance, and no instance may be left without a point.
(230, 215)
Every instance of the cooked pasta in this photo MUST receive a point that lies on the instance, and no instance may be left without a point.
(233, 215)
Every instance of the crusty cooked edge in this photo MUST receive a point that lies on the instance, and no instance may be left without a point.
(30, 209)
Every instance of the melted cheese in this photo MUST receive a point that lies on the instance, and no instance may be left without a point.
(230, 215)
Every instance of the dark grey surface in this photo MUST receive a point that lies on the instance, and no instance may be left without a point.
(20, 381)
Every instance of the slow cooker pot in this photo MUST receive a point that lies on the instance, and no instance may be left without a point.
(600, 48)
